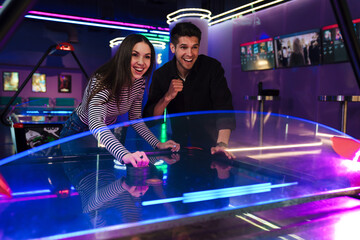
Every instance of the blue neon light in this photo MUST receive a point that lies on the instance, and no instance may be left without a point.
(220, 193)
(31, 192)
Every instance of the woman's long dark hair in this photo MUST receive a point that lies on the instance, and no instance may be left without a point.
(116, 73)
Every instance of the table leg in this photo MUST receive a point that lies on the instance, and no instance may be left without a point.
(343, 116)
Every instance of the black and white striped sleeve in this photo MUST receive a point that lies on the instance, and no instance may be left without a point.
(97, 114)
(135, 114)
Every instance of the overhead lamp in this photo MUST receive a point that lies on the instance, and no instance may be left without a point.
(188, 12)
(117, 41)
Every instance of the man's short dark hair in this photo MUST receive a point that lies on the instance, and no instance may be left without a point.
(184, 29)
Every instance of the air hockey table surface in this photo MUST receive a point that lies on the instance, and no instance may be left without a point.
(84, 194)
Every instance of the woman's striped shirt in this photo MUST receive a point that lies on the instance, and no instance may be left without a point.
(98, 115)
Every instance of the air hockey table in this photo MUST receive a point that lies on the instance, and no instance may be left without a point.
(301, 181)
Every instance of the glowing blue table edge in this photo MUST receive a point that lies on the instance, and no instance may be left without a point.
(146, 226)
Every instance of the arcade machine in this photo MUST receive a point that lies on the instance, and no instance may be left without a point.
(30, 133)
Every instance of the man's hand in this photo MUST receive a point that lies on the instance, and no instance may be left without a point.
(175, 157)
(137, 159)
(176, 86)
(175, 147)
(219, 149)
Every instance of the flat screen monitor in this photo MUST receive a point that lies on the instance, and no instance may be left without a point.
(298, 49)
(257, 55)
(38, 82)
(11, 81)
(333, 47)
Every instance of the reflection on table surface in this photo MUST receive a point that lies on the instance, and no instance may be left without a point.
(83, 191)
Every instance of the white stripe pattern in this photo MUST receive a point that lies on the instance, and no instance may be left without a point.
(100, 114)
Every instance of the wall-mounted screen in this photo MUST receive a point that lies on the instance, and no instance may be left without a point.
(298, 49)
(357, 29)
(38, 82)
(333, 47)
(257, 55)
(11, 81)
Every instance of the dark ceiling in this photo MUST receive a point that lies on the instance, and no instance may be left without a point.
(150, 12)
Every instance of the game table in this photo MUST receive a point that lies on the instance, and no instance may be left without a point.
(300, 181)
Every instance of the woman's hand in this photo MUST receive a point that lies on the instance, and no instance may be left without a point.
(135, 191)
(175, 147)
(137, 159)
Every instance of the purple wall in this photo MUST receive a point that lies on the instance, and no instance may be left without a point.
(31, 40)
(299, 87)
(51, 82)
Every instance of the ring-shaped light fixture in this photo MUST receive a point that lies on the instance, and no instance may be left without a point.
(117, 41)
(188, 12)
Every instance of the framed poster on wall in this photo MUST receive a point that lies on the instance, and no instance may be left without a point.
(38, 82)
(10, 81)
(64, 83)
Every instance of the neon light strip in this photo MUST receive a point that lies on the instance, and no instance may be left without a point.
(31, 192)
(202, 16)
(274, 147)
(236, 9)
(92, 21)
(163, 29)
(85, 23)
(117, 41)
(55, 15)
(244, 12)
(284, 154)
(219, 193)
(160, 32)
(28, 198)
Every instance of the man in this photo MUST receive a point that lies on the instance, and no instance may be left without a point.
(192, 82)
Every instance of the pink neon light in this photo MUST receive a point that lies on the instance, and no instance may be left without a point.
(90, 19)
(28, 198)
(163, 29)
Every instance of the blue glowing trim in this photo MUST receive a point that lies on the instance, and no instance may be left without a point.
(31, 192)
(61, 112)
(159, 32)
(85, 23)
(32, 112)
(226, 192)
(220, 193)
(42, 147)
(165, 200)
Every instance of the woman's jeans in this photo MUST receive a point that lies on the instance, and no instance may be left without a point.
(71, 127)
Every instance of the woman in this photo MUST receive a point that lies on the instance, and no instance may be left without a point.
(117, 87)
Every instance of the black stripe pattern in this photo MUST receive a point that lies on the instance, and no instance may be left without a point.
(99, 114)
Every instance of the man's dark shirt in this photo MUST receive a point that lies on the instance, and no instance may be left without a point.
(205, 88)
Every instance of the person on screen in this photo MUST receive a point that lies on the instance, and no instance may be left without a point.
(192, 82)
(297, 56)
(338, 35)
(314, 52)
(117, 88)
(327, 35)
(284, 57)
